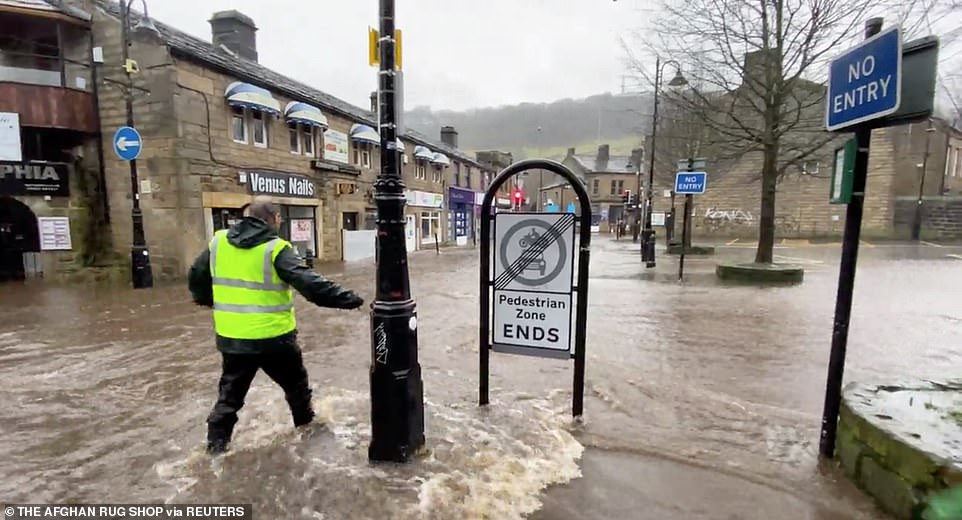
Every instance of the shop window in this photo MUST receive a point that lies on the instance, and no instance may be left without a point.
(295, 137)
(349, 220)
(259, 124)
(421, 170)
(238, 124)
(224, 218)
(430, 225)
(299, 227)
(308, 132)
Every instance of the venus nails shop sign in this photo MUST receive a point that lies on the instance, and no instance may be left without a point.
(279, 184)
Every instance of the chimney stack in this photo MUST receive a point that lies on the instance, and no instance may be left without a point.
(601, 162)
(449, 136)
(571, 152)
(637, 156)
(236, 31)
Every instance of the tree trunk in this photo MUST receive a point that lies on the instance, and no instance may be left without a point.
(766, 222)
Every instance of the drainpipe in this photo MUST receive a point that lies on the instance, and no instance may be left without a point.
(917, 225)
(95, 82)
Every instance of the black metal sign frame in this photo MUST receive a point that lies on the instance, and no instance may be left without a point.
(486, 278)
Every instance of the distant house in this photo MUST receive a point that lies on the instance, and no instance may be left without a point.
(606, 178)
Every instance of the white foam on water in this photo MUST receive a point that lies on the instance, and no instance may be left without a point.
(477, 463)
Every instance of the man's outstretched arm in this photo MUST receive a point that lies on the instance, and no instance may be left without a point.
(199, 280)
(315, 288)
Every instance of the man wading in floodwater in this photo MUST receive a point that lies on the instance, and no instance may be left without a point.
(246, 275)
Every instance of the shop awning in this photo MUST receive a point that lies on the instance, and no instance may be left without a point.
(297, 112)
(440, 158)
(365, 134)
(423, 153)
(245, 95)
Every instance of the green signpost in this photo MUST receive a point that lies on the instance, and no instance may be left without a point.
(842, 173)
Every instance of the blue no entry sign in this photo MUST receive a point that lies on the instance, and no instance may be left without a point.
(127, 143)
(690, 183)
(865, 82)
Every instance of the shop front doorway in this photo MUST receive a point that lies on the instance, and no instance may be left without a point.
(19, 234)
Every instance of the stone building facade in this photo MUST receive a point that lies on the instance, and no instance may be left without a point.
(218, 127)
(53, 217)
(731, 206)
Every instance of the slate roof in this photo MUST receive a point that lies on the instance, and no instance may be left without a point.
(49, 5)
(221, 58)
(616, 164)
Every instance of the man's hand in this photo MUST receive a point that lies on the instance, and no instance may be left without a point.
(354, 302)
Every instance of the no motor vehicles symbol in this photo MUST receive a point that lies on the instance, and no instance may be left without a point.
(534, 252)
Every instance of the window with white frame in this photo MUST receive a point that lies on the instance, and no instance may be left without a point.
(362, 154)
(295, 137)
(457, 174)
(259, 128)
(421, 169)
(595, 186)
(467, 177)
(309, 140)
(436, 175)
(810, 168)
(958, 162)
(238, 125)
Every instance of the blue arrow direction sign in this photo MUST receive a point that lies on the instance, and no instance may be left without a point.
(690, 183)
(127, 143)
(865, 83)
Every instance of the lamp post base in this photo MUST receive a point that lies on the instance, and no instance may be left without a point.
(397, 395)
(141, 274)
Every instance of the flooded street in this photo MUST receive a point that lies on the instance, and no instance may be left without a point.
(702, 400)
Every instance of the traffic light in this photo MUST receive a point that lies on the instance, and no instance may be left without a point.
(518, 197)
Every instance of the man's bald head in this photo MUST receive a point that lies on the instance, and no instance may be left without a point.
(264, 209)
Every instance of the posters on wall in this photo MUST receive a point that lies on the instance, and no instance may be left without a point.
(336, 146)
(302, 230)
(54, 233)
(10, 146)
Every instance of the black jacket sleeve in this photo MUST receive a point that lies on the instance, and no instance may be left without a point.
(314, 287)
(199, 280)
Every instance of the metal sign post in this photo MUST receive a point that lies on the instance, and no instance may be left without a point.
(865, 92)
(530, 288)
(688, 183)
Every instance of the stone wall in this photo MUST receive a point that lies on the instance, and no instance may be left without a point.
(883, 449)
(731, 205)
(941, 217)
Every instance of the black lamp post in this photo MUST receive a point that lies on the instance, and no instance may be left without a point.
(397, 400)
(141, 273)
(648, 234)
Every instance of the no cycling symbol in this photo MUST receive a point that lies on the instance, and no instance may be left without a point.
(534, 252)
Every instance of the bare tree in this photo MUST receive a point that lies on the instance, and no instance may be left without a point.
(755, 71)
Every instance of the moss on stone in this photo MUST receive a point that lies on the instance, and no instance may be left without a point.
(760, 273)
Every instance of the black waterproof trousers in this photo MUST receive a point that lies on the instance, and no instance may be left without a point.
(284, 365)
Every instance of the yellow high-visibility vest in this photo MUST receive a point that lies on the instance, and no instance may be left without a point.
(250, 300)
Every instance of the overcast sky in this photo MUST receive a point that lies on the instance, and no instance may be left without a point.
(457, 53)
